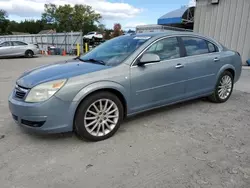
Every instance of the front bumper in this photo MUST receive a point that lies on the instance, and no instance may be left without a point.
(51, 116)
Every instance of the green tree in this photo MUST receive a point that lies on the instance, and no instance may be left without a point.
(28, 26)
(101, 28)
(49, 15)
(67, 18)
(107, 34)
(4, 22)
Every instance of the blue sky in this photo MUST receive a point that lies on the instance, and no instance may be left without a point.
(127, 12)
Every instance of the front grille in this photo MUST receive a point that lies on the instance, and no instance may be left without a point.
(20, 92)
(20, 95)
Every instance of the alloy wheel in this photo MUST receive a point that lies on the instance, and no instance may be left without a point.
(101, 117)
(225, 87)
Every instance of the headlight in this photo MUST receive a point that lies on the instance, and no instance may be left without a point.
(44, 91)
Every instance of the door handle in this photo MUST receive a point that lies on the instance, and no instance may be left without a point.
(216, 59)
(178, 66)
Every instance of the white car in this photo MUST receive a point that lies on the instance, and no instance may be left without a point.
(18, 48)
(93, 35)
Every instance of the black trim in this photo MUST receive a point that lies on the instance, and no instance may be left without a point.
(215, 47)
(14, 117)
(183, 52)
(32, 123)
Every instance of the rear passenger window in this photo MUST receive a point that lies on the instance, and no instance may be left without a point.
(211, 47)
(195, 46)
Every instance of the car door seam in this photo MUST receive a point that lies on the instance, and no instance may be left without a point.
(156, 87)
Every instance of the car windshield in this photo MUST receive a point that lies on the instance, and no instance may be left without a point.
(115, 51)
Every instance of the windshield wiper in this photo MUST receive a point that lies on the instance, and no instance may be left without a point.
(94, 61)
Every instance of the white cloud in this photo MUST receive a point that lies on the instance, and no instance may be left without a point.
(34, 8)
(192, 3)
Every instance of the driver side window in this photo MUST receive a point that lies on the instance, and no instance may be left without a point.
(166, 49)
(5, 44)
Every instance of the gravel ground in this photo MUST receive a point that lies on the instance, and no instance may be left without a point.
(189, 145)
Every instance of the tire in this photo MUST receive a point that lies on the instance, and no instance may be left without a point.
(29, 54)
(216, 97)
(101, 126)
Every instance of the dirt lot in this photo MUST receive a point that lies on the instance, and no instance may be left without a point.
(189, 145)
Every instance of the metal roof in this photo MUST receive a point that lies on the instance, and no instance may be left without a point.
(174, 17)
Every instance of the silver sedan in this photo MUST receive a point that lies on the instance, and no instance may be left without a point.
(18, 48)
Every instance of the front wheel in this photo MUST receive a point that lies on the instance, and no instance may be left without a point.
(98, 116)
(224, 88)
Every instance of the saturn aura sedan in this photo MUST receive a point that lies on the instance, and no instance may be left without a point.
(93, 93)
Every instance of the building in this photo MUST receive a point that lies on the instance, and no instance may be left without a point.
(49, 31)
(179, 20)
(149, 28)
(228, 21)
(19, 33)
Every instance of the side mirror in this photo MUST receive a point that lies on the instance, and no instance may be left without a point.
(148, 58)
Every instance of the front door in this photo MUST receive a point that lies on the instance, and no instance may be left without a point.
(156, 84)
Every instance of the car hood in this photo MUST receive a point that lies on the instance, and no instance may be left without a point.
(59, 70)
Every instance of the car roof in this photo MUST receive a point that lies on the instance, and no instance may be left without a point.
(170, 33)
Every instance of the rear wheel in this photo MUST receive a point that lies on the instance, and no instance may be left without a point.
(98, 116)
(224, 88)
(29, 54)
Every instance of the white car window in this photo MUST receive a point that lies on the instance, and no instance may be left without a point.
(5, 44)
(19, 43)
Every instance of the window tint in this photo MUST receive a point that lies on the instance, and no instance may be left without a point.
(18, 43)
(211, 47)
(90, 33)
(166, 48)
(195, 46)
(6, 44)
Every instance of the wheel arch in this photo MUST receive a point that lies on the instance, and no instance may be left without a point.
(28, 50)
(224, 68)
(111, 87)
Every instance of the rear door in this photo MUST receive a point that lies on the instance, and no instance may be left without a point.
(203, 63)
(6, 49)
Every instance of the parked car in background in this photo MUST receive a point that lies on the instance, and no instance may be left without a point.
(93, 36)
(130, 32)
(93, 93)
(18, 48)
